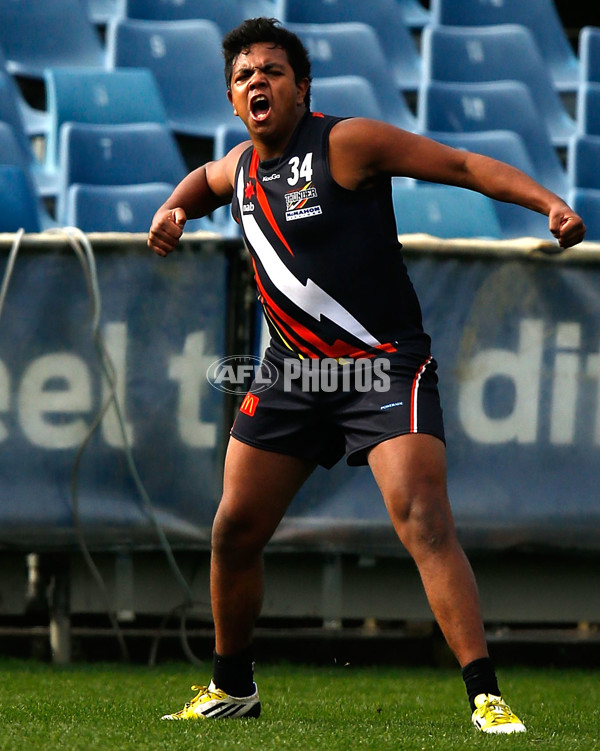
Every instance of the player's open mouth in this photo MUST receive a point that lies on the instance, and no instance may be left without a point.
(260, 107)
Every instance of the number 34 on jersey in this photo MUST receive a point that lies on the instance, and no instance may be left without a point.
(296, 200)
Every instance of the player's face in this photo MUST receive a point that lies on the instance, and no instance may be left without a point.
(265, 94)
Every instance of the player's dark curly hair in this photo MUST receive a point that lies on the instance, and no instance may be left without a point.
(258, 30)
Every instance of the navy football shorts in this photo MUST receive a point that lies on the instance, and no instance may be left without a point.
(319, 410)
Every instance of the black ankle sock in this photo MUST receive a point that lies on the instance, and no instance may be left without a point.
(480, 678)
(234, 674)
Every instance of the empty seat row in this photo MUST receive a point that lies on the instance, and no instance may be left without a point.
(403, 61)
(466, 53)
(185, 58)
(113, 208)
(447, 111)
(503, 105)
(157, 48)
(444, 211)
(441, 211)
(84, 95)
(496, 53)
(354, 49)
(541, 19)
(74, 37)
(36, 34)
(116, 155)
(92, 208)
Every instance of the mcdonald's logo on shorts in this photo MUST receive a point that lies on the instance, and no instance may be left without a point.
(248, 406)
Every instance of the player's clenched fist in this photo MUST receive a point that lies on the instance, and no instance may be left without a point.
(566, 226)
(166, 229)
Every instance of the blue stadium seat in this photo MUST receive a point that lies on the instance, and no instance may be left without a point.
(186, 60)
(502, 105)
(226, 137)
(509, 147)
(589, 53)
(45, 182)
(496, 53)
(583, 161)
(12, 154)
(107, 154)
(99, 96)
(11, 114)
(225, 13)
(35, 120)
(11, 151)
(444, 211)
(35, 35)
(414, 13)
(586, 202)
(20, 207)
(114, 208)
(265, 8)
(100, 12)
(588, 108)
(345, 96)
(344, 49)
(385, 16)
(539, 16)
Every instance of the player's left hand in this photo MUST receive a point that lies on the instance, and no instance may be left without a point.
(566, 226)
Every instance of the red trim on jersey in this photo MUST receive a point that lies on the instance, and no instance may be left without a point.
(286, 334)
(276, 315)
(296, 327)
(386, 347)
(414, 395)
(262, 200)
(338, 349)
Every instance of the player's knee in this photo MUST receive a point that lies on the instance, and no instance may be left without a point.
(427, 526)
(432, 538)
(234, 536)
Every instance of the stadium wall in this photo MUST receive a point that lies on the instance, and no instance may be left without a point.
(516, 335)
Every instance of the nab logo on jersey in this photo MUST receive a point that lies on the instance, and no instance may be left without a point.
(249, 192)
(248, 406)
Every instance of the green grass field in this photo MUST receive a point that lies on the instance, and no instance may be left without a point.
(106, 706)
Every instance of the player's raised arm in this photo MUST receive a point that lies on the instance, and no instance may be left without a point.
(198, 194)
(362, 150)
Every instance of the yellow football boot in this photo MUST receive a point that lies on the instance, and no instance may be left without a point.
(212, 703)
(493, 715)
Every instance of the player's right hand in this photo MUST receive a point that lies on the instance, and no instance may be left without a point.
(166, 229)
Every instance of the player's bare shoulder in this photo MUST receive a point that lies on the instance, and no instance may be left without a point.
(355, 150)
(362, 150)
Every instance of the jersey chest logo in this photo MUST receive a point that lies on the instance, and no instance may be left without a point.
(296, 203)
(299, 202)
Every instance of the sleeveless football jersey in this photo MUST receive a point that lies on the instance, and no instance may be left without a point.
(327, 260)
